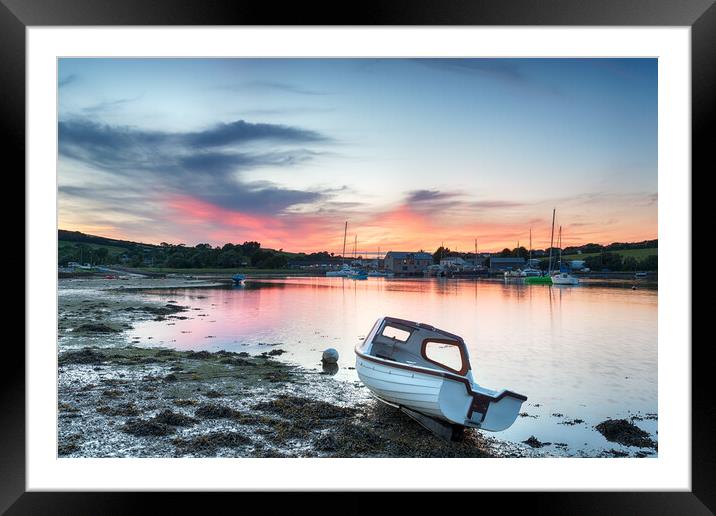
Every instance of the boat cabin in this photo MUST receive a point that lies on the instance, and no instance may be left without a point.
(418, 345)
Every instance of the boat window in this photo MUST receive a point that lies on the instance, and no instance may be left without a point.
(395, 333)
(445, 354)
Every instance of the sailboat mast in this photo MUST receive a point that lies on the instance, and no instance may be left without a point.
(551, 243)
(343, 255)
(355, 244)
(530, 244)
(560, 248)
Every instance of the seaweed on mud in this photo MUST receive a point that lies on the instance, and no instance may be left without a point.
(624, 432)
(236, 361)
(614, 453)
(168, 309)
(210, 442)
(572, 422)
(296, 408)
(273, 353)
(82, 356)
(282, 431)
(215, 412)
(66, 407)
(535, 443)
(171, 377)
(386, 432)
(350, 439)
(185, 402)
(167, 417)
(68, 445)
(125, 409)
(645, 417)
(277, 376)
(146, 427)
(199, 354)
(95, 328)
(213, 394)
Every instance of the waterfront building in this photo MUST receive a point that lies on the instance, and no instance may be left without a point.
(403, 263)
(500, 264)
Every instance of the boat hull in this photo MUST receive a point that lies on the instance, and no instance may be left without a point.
(436, 395)
(538, 280)
(571, 280)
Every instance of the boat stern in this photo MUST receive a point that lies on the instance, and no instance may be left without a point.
(494, 412)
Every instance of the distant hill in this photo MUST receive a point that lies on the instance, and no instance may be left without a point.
(76, 236)
(75, 246)
(613, 247)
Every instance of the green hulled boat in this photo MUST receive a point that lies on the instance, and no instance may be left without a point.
(538, 280)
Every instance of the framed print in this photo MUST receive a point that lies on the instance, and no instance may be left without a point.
(298, 251)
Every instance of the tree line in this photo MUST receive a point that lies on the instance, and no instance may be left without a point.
(605, 259)
(179, 256)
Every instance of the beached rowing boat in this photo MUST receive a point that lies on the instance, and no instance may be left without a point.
(427, 371)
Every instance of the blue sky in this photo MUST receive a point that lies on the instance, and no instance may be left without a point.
(413, 152)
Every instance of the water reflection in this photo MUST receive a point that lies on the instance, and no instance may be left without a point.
(330, 369)
(584, 352)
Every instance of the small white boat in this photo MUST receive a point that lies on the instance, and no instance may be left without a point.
(423, 369)
(564, 278)
(345, 271)
(381, 274)
(530, 272)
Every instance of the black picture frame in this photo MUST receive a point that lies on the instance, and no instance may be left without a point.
(700, 15)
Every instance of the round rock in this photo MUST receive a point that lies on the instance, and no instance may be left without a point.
(330, 356)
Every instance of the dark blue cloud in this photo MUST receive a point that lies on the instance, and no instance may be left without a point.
(108, 105)
(204, 164)
(438, 200)
(429, 196)
(241, 131)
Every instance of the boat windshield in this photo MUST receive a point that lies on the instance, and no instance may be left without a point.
(417, 345)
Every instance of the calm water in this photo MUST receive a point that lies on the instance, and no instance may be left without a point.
(583, 352)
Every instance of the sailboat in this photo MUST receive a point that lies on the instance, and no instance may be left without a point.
(545, 280)
(530, 271)
(345, 270)
(563, 277)
(357, 274)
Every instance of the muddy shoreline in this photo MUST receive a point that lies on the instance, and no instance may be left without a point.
(117, 397)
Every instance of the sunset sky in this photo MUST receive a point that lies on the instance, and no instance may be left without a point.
(412, 152)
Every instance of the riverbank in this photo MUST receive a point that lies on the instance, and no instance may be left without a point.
(129, 401)
(125, 395)
(117, 399)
